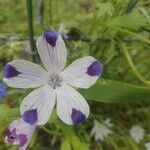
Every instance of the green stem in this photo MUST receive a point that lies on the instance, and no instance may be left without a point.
(30, 28)
(51, 132)
(41, 12)
(50, 12)
(138, 36)
(133, 66)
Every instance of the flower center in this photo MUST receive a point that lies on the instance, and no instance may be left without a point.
(55, 81)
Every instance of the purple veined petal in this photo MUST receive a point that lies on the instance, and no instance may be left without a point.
(52, 50)
(72, 108)
(36, 108)
(51, 37)
(83, 72)
(19, 133)
(24, 74)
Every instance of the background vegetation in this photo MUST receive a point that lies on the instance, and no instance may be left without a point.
(117, 32)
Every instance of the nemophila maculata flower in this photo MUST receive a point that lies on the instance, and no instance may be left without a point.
(3, 91)
(53, 82)
(19, 133)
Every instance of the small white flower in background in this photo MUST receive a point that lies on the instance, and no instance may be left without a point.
(100, 131)
(54, 83)
(137, 133)
(108, 122)
(19, 133)
(147, 145)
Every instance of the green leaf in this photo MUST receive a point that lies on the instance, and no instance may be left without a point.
(131, 21)
(114, 91)
(65, 145)
(70, 135)
(131, 5)
(77, 144)
(7, 114)
(105, 9)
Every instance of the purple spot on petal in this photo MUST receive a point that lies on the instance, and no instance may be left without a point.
(10, 71)
(30, 116)
(95, 69)
(23, 139)
(8, 133)
(77, 116)
(11, 135)
(51, 37)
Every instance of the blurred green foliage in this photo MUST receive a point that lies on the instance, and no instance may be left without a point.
(119, 31)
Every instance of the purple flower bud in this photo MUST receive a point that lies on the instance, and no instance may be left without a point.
(19, 133)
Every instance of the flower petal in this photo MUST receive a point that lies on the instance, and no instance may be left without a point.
(72, 108)
(24, 74)
(52, 51)
(36, 107)
(83, 72)
(19, 133)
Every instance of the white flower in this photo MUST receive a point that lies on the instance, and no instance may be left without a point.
(147, 145)
(99, 131)
(19, 133)
(137, 133)
(54, 83)
(108, 122)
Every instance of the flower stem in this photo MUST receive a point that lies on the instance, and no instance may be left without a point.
(51, 132)
(133, 66)
(138, 36)
(30, 28)
(41, 12)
